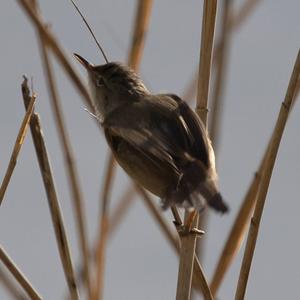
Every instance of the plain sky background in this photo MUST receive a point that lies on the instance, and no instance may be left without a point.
(140, 263)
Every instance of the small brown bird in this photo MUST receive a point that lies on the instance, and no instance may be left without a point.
(157, 139)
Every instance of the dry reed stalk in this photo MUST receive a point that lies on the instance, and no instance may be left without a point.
(137, 46)
(199, 280)
(265, 181)
(216, 98)
(121, 209)
(141, 25)
(236, 235)
(188, 242)
(19, 276)
(220, 71)
(103, 231)
(17, 147)
(238, 229)
(53, 44)
(158, 216)
(244, 12)
(10, 286)
(53, 202)
(235, 22)
(73, 178)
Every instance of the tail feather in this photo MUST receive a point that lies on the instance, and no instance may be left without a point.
(195, 190)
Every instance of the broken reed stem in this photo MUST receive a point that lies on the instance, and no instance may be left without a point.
(17, 147)
(19, 276)
(188, 242)
(265, 180)
(53, 202)
(73, 178)
(134, 58)
(53, 44)
(10, 286)
(103, 230)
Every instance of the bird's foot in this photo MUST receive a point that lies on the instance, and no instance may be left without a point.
(184, 230)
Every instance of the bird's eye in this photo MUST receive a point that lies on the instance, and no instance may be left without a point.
(99, 82)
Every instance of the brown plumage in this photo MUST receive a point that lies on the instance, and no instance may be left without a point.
(157, 139)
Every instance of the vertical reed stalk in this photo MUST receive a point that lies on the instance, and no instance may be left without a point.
(188, 242)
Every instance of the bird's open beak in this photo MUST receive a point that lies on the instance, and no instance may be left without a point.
(83, 61)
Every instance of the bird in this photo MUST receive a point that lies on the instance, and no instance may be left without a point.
(157, 139)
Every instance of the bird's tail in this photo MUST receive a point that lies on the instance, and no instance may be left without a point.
(196, 189)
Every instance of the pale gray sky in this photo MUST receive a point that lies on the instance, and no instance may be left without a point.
(140, 264)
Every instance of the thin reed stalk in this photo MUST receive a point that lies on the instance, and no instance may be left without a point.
(103, 230)
(234, 23)
(199, 280)
(10, 286)
(17, 147)
(220, 71)
(19, 276)
(158, 216)
(265, 181)
(216, 105)
(53, 202)
(121, 209)
(188, 242)
(245, 11)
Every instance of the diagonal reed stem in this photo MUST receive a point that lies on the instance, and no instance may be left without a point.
(19, 276)
(121, 209)
(53, 44)
(53, 202)
(188, 242)
(265, 181)
(17, 147)
(10, 286)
